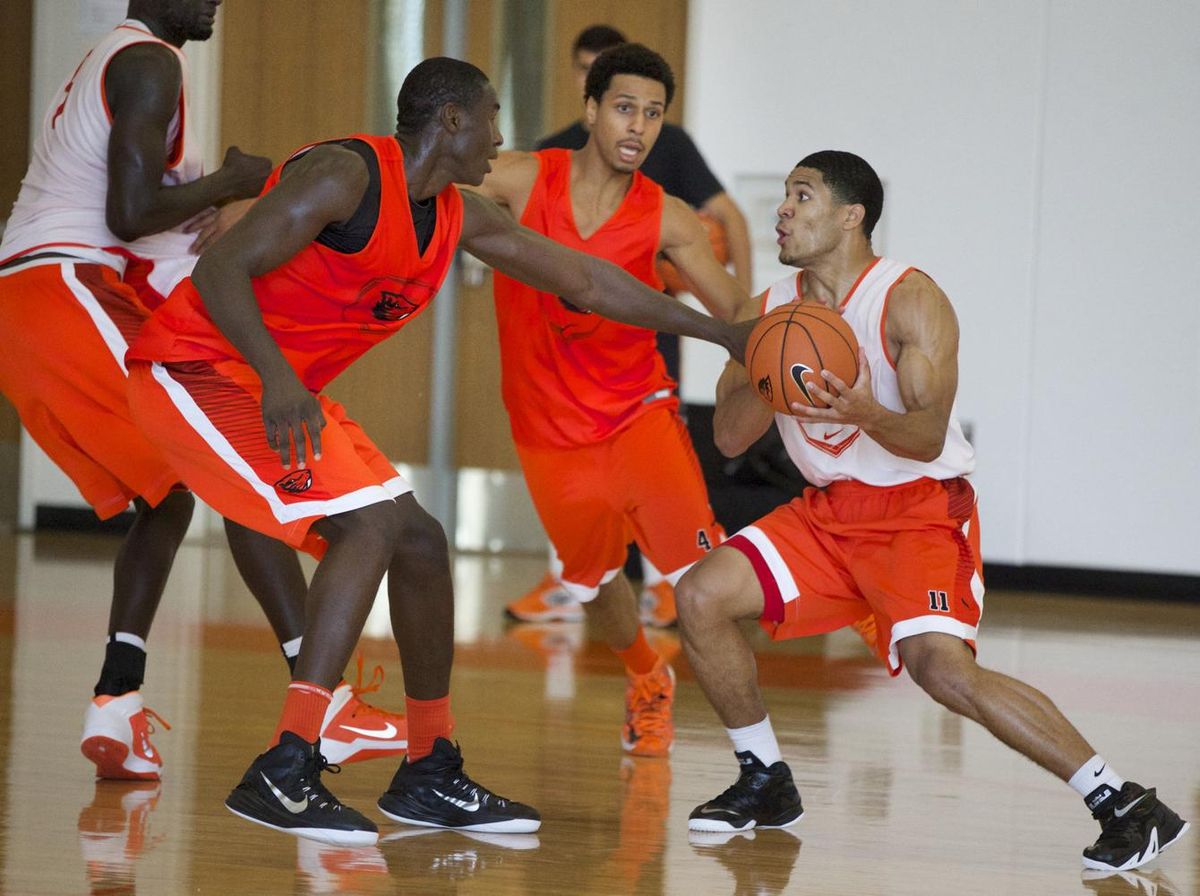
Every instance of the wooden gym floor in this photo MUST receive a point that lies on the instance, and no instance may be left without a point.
(901, 797)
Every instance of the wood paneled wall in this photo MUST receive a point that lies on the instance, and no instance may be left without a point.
(16, 54)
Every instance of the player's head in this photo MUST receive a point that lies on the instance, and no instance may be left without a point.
(591, 42)
(453, 103)
(830, 196)
(176, 21)
(628, 91)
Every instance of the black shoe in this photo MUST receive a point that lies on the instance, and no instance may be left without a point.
(1129, 883)
(1135, 828)
(761, 797)
(436, 792)
(282, 789)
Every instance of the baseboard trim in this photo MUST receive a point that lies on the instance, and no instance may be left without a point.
(1093, 582)
(80, 519)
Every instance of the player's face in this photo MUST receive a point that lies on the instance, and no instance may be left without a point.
(478, 140)
(185, 20)
(809, 219)
(627, 121)
(581, 64)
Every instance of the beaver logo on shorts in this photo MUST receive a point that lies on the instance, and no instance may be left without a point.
(295, 482)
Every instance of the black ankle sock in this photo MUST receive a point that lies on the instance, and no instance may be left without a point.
(124, 669)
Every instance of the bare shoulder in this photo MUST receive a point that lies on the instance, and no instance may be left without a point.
(919, 308)
(680, 224)
(511, 178)
(328, 161)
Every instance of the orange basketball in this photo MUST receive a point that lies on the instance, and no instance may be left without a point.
(672, 279)
(790, 347)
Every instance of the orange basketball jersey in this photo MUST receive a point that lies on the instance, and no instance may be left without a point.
(570, 377)
(326, 308)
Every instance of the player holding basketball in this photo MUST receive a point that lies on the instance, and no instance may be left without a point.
(890, 531)
(349, 242)
(96, 237)
(594, 414)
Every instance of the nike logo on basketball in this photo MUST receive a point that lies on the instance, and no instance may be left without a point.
(797, 372)
(293, 806)
(387, 732)
(472, 806)
(1122, 811)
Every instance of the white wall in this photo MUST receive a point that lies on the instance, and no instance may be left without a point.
(1039, 157)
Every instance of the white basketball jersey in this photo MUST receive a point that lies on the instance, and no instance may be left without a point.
(826, 453)
(61, 205)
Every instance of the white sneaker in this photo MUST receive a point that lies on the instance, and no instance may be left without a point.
(116, 736)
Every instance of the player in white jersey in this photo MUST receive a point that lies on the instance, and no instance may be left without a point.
(102, 229)
(889, 531)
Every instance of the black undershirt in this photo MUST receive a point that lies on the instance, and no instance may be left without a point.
(353, 234)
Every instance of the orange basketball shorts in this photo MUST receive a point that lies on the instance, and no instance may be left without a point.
(643, 484)
(206, 418)
(66, 328)
(906, 555)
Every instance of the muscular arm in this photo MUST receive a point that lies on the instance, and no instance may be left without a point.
(737, 236)
(510, 181)
(740, 417)
(684, 241)
(142, 87)
(323, 187)
(922, 336)
(600, 286)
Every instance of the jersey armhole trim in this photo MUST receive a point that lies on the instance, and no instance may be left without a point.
(883, 318)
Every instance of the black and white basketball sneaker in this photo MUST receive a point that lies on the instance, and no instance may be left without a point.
(436, 792)
(282, 789)
(1135, 828)
(761, 797)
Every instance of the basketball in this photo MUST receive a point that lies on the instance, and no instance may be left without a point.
(672, 279)
(790, 347)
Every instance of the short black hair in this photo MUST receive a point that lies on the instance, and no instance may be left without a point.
(597, 39)
(431, 85)
(628, 59)
(851, 181)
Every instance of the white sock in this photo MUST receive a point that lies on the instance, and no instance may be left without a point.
(758, 739)
(1095, 781)
(556, 566)
(291, 648)
(127, 638)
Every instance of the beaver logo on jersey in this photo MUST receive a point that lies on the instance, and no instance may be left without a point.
(388, 300)
(295, 482)
(798, 371)
(765, 389)
(392, 307)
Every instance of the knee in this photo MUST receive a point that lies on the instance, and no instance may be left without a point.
(173, 512)
(944, 673)
(420, 537)
(698, 599)
(374, 530)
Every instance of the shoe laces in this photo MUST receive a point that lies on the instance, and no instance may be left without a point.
(459, 783)
(151, 714)
(649, 703)
(742, 793)
(311, 786)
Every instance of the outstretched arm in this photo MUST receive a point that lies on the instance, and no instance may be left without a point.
(600, 286)
(324, 186)
(142, 87)
(737, 235)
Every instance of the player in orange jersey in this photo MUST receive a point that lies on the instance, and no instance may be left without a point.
(594, 414)
(98, 234)
(350, 241)
(890, 529)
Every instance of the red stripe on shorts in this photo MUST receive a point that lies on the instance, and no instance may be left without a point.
(772, 599)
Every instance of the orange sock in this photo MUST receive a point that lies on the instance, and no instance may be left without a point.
(639, 657)
(303, 711)
(427, 721)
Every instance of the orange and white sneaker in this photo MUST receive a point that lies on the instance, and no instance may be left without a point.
(648, 729)
(548, 601)
(354, 730)
(656, 605)
(116, 736)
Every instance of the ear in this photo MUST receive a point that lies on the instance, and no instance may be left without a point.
(591, 109)
(855, 214)
(451, 117)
